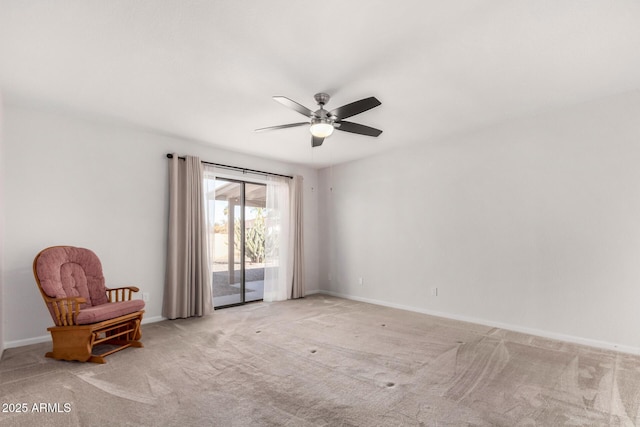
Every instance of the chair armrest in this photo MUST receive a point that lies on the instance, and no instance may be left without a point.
(65, 310)
(124, 293)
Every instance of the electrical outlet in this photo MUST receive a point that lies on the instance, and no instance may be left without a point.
(360, 281)
(145, 296)
(434, 291)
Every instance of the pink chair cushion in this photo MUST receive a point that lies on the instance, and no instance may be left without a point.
(67, 271)
(108, 311)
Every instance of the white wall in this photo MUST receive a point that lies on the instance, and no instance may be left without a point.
(78, 181)
(532, 224)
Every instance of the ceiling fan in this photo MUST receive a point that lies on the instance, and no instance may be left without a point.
(322, 122)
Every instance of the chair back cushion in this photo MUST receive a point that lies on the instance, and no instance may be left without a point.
(67, 271)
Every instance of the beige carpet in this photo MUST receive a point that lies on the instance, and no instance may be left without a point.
(329, 362)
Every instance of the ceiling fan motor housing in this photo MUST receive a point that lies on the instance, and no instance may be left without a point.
(321, 98)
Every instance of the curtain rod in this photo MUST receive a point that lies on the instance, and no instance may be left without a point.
(170, 156)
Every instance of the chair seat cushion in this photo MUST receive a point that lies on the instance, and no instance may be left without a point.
(110, 310)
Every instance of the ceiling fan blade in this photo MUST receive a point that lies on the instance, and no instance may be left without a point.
(316, 141)
(354, 108)
(357, 128)
(294, 106)
(290, 125)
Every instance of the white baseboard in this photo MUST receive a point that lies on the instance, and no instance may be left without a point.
(27, 341)
(47, 338)
(153, 319)
(515, 328)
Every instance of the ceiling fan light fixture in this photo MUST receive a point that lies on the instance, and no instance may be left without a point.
(321, 128)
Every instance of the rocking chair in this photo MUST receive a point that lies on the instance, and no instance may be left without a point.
(88, 316)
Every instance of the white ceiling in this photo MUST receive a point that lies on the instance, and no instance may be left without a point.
(206, 70)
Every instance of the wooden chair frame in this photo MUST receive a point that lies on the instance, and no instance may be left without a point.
(72, 341)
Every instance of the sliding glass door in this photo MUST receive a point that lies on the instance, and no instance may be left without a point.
(237, 212)
(254, 240)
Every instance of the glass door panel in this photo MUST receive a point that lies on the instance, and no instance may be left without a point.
(255, 212)
(226, 268)
(237, 241)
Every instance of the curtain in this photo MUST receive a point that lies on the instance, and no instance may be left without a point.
(284, 260)
(209, 194)
(187, 290)
(277, 274)
(297, 240)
